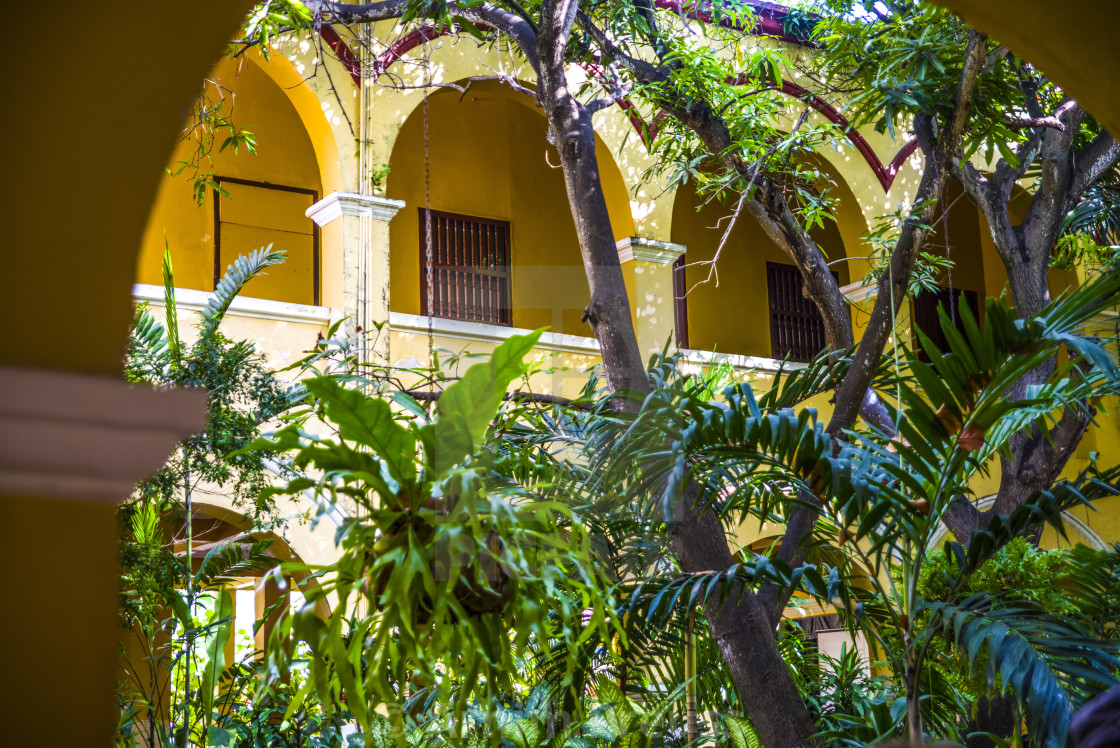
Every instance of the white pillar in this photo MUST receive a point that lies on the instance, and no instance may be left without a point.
(650, 263)
(361, 263)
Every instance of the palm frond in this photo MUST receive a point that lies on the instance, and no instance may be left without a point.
(1049, 666)
(243, 270)
(171, 311)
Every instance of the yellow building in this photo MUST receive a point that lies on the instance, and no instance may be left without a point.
(81, 185)
(505, 254)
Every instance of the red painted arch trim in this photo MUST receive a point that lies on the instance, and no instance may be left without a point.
(884, 173)
(342, 51)
(769, 17)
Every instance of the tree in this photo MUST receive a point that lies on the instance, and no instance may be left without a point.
(242, 394)
(700, 99)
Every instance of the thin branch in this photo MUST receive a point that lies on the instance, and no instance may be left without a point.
(518, 396)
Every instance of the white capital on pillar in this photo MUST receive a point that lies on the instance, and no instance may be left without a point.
(339, 204)
(648, 250)
(359, 250)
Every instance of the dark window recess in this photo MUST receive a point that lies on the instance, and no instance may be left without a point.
(680, 303)
(796, 326)
(925, 315)
(470, 268)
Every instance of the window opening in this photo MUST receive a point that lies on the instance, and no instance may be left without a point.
(470, 268)
(257, 214)
(680, 303)
(926, 319)
(796, 325)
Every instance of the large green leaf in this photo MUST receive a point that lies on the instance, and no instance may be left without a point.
(741, 732)
(524, 733)
(216, 641)
(368, 421)
(466, 408)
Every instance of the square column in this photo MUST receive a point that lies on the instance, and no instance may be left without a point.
(356, 264)
(648, 265)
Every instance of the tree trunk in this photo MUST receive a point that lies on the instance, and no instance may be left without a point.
(743, 632)
(741, 629)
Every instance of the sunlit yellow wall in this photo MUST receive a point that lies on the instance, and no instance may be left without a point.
(254, 217)
(555, 372)
(487, 157)
(734, 316)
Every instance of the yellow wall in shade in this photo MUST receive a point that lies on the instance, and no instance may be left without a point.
(252, 217)
(487, 156)
(733, 316)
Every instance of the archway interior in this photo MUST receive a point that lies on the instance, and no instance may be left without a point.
(269, 192)
(490, 159)
(734, 316)
(254, 597)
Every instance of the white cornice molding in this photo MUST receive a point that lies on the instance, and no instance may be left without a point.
(648, 250)
(483, 333)
(857, 292)
(79, 436)
(738, 361)
(353, 204)
(984, 503)
(242, 306)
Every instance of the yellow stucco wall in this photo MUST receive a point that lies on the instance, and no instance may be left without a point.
(254, 216)
(733, 316)
(487, 156)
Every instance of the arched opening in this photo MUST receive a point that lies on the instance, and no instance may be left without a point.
(503, 215)
(268, 193)
(756, 307)
(960, 239)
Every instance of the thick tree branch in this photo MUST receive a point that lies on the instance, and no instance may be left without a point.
(519, 30)
(1102, 154)
(332, 12)
(893, 284)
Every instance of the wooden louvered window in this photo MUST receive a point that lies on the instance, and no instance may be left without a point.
(926, 319)
(796, 326)
(680, 303)
(470, 268)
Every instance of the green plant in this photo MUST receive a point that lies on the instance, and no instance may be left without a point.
(241, 395)
(882, 498)
(450, 567)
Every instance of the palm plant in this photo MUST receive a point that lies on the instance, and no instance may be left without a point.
(882, 498)
(241, 395)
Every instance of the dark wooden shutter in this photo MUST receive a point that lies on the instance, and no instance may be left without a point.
(680, 303)
(796, 326)
(926, 319)
(470, 268)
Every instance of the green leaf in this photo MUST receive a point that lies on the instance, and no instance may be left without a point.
(368, 421)
(243, 270)
(741, 732)
(170, 310)
(524, 733)
(216, 650)
(466, 408)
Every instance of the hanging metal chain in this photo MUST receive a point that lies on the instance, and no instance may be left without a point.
(953, 300)
(429, 273)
